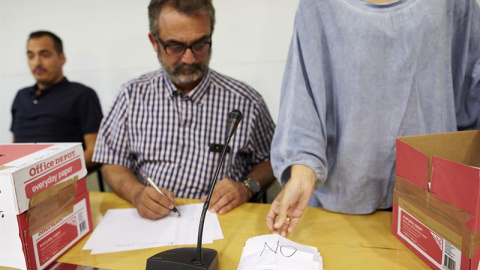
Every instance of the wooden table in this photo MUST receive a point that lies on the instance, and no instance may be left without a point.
(344, 241)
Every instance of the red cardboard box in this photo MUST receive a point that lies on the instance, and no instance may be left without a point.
(436, 205)
(44, 209)
(42, 248)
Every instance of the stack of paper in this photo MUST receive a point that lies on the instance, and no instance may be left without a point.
(124, 229)
(274, 252)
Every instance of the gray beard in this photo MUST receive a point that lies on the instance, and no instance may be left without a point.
(184, 74)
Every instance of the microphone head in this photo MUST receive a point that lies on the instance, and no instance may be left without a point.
(235, 116)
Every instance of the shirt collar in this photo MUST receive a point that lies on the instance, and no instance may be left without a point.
(49, 89)
(196, 94)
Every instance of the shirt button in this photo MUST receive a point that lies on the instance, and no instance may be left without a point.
(35, 101)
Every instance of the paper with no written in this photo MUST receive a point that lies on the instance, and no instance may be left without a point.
(124, 229)
(274, 252)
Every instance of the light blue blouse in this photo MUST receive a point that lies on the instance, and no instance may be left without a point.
(359, 75)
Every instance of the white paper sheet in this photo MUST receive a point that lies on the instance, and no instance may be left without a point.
(274, 252)
(124, 229)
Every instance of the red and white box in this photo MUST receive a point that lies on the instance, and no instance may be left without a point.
(436, 204)
(44, 208)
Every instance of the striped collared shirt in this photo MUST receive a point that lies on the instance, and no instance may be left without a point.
(153, 129)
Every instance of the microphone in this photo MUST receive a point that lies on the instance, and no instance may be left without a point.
(234, 118)
(197, 258)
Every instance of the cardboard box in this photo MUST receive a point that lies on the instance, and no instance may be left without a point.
(66, 266)
(44, 209)
(436, 205)
(43, 247)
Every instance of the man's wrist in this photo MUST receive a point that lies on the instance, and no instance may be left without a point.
(135, 193)
(252, 186)
(246, 191)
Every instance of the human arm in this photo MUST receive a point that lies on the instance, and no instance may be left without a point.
(89, 143)
(229, 194)
(113, 150)
(149, 203)
(305, 123)
(292, 201)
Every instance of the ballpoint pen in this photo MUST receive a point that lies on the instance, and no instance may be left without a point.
(160, 191)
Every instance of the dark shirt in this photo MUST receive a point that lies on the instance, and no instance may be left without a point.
(63, 112)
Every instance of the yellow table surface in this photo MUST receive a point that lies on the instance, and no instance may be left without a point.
(344, 241)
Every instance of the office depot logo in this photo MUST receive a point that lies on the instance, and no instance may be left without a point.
(45, 166)
(53, 178)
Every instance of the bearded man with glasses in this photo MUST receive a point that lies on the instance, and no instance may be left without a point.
(170, 124)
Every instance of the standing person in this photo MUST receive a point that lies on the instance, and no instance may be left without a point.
(169, 124)
(54, 109)
(359, 75)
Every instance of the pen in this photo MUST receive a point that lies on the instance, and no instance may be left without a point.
(159, 191)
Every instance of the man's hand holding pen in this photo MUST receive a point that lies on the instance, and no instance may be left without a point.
(152, 204)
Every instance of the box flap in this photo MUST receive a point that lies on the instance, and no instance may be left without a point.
(462, 147)
(456, 184)
(412, 164)
(414, 152)
(11, 152)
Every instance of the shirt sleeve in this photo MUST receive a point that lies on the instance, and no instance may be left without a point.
(466, 71)
(262, 133)
(13, 111)
(89, 112)
(301, 134)
(112, 146)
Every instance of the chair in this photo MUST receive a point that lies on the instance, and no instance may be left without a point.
(98, 170)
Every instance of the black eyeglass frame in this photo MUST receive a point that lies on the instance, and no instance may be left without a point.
(185, 47)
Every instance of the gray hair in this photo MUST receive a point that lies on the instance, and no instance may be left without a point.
(187, 7)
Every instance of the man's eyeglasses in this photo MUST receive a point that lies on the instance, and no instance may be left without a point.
(178, 49)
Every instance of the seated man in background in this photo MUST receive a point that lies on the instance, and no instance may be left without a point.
(169, 124)
(359, 74)
(54, 109)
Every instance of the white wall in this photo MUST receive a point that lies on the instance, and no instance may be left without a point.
(106, 44)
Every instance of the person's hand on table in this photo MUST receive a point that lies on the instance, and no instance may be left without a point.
(152, 205)
(227, 195)
(290, 204)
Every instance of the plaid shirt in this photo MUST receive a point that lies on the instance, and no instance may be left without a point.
(156, 130)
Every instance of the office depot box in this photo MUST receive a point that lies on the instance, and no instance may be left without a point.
(44, 209)
(46, 244)
(28, 169)
(436, 205)
(66, 266)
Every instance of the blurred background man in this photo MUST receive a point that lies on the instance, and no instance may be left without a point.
(54, 109)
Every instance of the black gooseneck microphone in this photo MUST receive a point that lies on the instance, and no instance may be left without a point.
(197, 258)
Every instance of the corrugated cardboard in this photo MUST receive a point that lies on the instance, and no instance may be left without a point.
(44, 209)
(44, 246)
(436, 204)
(28, 169)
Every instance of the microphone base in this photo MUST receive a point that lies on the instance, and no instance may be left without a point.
(183, 259)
